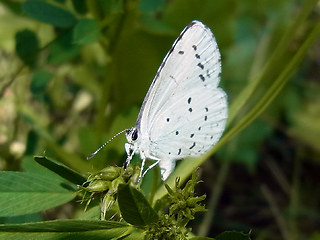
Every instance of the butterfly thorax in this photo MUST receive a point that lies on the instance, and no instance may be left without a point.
(137, 143)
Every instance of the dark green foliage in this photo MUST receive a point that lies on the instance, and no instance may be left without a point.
(63, 48)
(233, 235)
(80, 6)
(48, 13)
(74, 73)
(27, 46)
(134, 208)
(39, 82)
(86, 31)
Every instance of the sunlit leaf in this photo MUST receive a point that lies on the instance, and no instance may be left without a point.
(23, 193)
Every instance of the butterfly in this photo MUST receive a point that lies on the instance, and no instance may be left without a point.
(184, 112)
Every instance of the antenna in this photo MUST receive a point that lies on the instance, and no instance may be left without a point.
(103, 145)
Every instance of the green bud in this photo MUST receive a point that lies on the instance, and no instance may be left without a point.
(114, 185)
(98, 186)
(109, 173)
(107, 202)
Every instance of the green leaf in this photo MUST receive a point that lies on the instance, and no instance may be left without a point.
(151, 5)
(202, 238)
(63, 49)
(23, 193)
(47, 13)
(80, 6)
(134, 207)
(27, 46)
(233, 235)
(40, 80)
(65, 229)
(62, 226)
(32, 217)
(61, 170)
(86, 31)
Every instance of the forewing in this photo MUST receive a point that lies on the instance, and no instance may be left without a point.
(193, 59)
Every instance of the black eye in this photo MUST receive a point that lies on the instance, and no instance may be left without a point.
(134, 135)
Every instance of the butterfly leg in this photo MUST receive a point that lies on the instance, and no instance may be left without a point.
(142, 166)
(130, 154)
(151, 166)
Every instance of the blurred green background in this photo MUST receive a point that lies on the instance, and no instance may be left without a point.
(74, 73)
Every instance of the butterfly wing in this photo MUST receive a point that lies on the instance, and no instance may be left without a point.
(184, 112)
(183, 61)
(190, 127)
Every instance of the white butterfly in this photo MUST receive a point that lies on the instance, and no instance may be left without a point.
(184, 112)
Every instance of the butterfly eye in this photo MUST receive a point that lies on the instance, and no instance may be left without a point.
(134, 135)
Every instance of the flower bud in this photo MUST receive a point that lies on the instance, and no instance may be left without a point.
(98, 186)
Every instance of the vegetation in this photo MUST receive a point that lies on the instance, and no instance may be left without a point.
(75, 72)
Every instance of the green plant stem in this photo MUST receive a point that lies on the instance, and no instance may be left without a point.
(276, 213)
(5, 85)
(279, 51)
(294, 197)
(213, 202)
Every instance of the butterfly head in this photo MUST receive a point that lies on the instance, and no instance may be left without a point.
(132, 135)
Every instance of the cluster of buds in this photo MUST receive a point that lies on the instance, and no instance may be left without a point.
(183, 205)
(104, 184)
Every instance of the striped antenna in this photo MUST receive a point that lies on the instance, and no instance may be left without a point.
(103, 145)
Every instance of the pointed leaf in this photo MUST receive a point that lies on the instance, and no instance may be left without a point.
(134, 207)
(61, 170)
(65, 229)
(23, 193)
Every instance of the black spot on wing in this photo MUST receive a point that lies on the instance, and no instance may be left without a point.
(193, 145)
(197, 56)
(179, 151)
(202, 77)
(200, 65)
(189, 100)
(192, 134)
(181, 52)
(190, 109)
(208, 73)
(194, 47)
(177, 132)
(168, 119)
